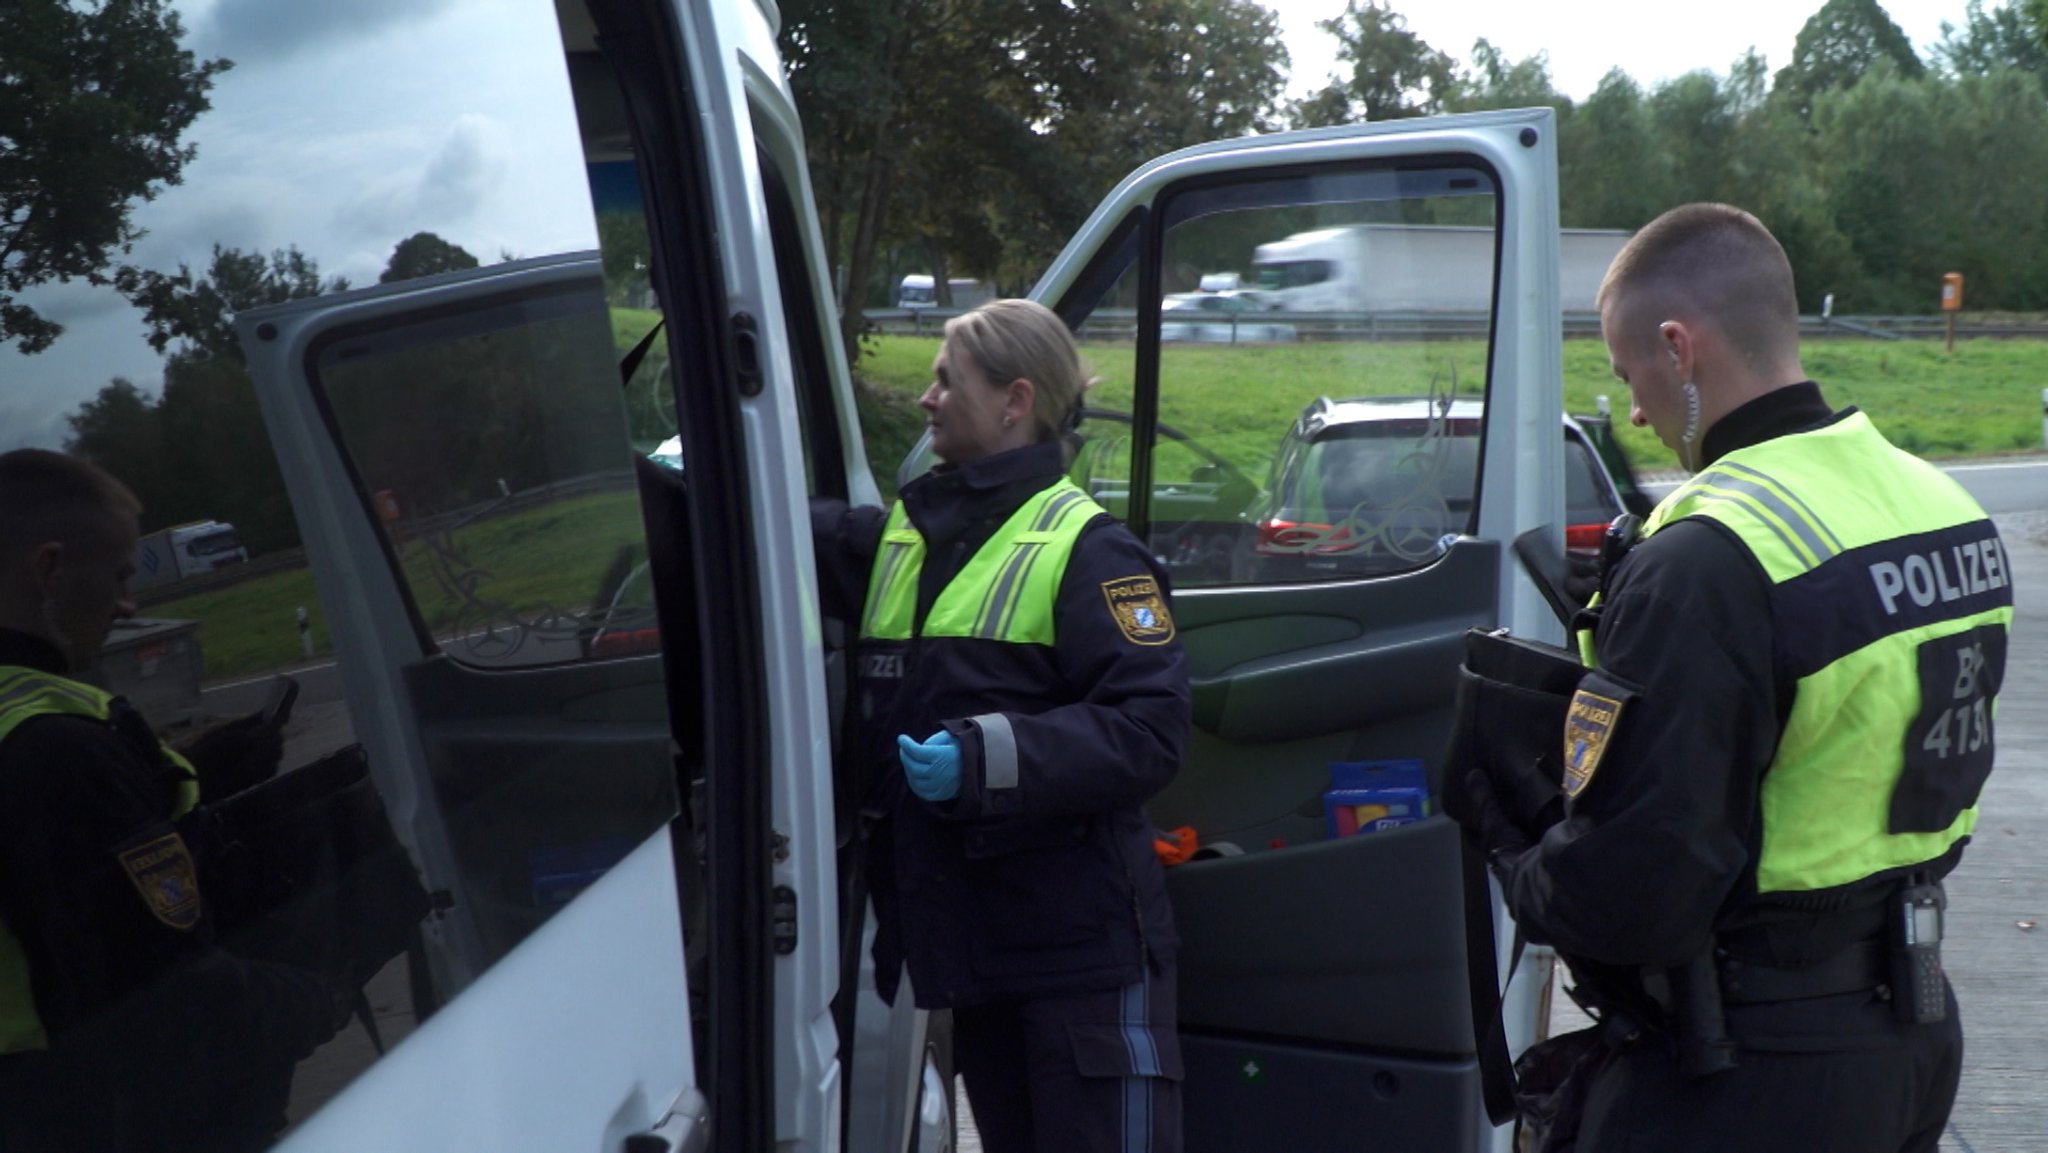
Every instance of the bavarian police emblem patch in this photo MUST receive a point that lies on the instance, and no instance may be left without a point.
(1139, 609)
(1587, 726)
(163, 872)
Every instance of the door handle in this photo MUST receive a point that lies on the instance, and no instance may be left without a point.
(682, 1131)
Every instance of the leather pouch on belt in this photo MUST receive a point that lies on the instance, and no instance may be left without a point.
(1552, 1080)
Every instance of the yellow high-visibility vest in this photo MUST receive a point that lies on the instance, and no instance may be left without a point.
(1006, 592)
(1891, 600)
(24, 695)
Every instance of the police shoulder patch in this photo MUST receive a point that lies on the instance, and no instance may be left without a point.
(1139, 609)
(162, 870)
(1587, 726)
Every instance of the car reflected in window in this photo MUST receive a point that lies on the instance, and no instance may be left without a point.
(1230, 317)
(1374, 485)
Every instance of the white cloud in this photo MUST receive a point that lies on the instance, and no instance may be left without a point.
(456, 183)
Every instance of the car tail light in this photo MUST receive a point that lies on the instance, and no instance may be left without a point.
(625, 643)
(1584, 539)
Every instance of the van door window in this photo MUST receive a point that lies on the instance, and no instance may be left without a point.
(1321, 422)
(1325, 423)
(497, 445)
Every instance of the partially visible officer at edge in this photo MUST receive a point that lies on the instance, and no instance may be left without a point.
(123, 1026)
(1021, 694)
(1777, 752)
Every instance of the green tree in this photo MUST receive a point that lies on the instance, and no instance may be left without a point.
(1496, 82)
(1613, 170)
(1775, 174)
(217, 455)
(1927, 176)
(215, 449)
(424, 254)
(980, 132)
(2005, 37)
(853, 71)
(1695, 119)
(94, 98)
(1839, 45)
(119, 431)
(1127, 83)
(1394, 73)
(200, 311)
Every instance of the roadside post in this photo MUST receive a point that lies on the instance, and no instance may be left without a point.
(305, 633)
(1951, 303)
(2044, 418)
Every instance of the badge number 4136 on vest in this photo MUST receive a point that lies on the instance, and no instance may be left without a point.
(1949, 745)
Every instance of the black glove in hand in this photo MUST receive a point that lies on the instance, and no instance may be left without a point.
(235, 756)
(1488, 820)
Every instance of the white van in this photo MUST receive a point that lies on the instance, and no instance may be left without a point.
(916, 291)
(919, 291)
(649, 914)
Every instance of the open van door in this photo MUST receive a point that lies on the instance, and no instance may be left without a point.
(590, 687)
(1323, 973)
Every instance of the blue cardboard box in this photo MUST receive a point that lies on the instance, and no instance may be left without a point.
(1366, 796)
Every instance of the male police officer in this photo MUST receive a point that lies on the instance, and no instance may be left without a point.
(122, 1026)
(1777, 752)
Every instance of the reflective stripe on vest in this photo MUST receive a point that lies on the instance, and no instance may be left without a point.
(1872, 554)
(24, 695)
(1007, 592)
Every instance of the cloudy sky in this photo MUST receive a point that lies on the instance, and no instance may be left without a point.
(341, 129)
(344, 128)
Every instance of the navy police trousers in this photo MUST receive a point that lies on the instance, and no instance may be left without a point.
(1092, 1073)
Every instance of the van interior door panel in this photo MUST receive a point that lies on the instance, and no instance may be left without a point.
(1309, 474)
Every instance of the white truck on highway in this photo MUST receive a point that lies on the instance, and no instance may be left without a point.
(1415, 268)
(919, 291)
(185, 550)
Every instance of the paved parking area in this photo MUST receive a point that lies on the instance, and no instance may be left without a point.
(1997, 952)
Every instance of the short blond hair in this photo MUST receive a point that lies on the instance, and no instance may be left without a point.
(1714, 262)
(1012, 339)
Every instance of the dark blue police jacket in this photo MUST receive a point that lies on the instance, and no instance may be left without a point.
(1049, 887)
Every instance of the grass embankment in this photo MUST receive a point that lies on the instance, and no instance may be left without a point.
(536, 564)
(1237, 401)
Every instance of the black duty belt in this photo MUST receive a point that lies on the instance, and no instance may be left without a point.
(1862, 966)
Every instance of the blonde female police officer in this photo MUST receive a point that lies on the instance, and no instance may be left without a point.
(1021, 695)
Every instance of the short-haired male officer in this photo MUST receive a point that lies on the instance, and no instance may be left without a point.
(123, 1027)
(1777, 750)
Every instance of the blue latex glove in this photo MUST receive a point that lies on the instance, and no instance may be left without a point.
(933, 766)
